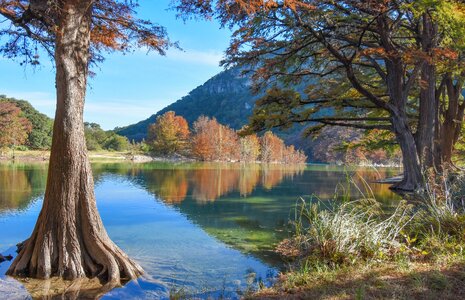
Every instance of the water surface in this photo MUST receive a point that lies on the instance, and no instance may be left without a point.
(206, 230)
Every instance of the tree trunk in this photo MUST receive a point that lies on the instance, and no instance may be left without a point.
(69, 239)
(453, 115)
(427, 118)
(412, 179)
(425, 136)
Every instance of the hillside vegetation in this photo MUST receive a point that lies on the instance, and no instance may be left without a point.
(40, 137)
(228, 98)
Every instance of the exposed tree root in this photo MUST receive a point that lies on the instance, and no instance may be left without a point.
(69, 240)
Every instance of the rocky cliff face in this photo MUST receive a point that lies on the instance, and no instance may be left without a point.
(226, 96)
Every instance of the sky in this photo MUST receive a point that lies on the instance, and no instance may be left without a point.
(131, 87)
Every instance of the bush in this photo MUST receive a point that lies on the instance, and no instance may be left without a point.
(117, 143)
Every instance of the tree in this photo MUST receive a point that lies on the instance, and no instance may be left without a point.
(214, 142)
(366, 60)
(69, 239)
(250, 148)
(115, 142)
(41, 135)
(14, 128)
(272, 148)
(169, 134)
(95, 136)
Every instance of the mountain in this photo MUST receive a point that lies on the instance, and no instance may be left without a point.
(226, 96)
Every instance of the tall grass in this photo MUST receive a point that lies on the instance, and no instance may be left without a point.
(353, 230)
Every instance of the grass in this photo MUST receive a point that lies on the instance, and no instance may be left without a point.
(39, 155)
(357, 250)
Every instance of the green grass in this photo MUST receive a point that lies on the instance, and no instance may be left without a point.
(357, 250)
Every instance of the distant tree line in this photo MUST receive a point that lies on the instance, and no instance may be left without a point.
(99, 139)
(34, 131)
(23, 127)
(212, 141)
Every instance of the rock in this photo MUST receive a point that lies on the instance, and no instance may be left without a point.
(141, 158)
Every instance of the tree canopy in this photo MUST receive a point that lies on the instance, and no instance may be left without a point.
(14, 127)
(114, 27)
(381, 64)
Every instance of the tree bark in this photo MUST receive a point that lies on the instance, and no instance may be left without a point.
(69, 239)
(426, 132)
(412, 178)
(453, 115)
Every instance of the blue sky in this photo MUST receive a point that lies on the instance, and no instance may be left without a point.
(129, 88)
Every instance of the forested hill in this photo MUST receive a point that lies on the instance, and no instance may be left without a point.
(41, 134)
(226, 96)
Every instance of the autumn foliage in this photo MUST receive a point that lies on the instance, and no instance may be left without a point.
(14, 128)
(212, 141)
(169, 134)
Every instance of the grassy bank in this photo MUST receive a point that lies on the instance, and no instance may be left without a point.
(357, 250)
(99, 156)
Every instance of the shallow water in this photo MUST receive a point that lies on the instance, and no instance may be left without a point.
(204, 230)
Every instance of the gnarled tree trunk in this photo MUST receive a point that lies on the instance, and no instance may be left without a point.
(69, 239)
(412, 179)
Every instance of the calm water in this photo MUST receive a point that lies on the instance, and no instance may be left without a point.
(207, 230)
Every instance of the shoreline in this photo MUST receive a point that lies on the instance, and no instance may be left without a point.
(35, 156)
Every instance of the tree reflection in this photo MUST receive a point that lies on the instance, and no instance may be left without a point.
(57, 288)
(209, 184)
(19, 185)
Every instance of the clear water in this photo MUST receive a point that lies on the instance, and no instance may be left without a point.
(203, 230)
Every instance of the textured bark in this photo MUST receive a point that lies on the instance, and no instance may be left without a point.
(69, 239)
(412, 179)
(426, 133)
(453, 114)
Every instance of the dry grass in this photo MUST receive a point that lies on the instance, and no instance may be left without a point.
(411, 253)
(382, 281)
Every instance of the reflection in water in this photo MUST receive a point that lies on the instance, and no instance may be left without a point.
(19, 185)
(57, 288)
(209, 184)
(222, 211)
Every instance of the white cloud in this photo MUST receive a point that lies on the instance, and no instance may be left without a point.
(206, 58)
(211, 58)
(42, 101)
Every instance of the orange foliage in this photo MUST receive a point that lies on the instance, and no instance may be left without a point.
(14, 129)
(215, 142)
(208, 184)
(114, 27)
(272, 148)
(169, 134)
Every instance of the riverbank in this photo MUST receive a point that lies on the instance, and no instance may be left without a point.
(31, 156)
(94, 156)
(358, 250)
(397, 280)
